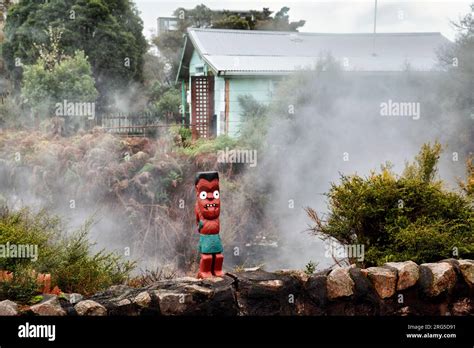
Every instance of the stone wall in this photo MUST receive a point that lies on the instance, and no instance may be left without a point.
(401, 288)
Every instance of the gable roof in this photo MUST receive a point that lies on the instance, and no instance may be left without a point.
(252, 52)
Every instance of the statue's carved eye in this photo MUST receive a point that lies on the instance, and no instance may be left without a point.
(203, 195)
(216, 194)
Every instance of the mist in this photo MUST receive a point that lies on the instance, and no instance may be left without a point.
(329, 122)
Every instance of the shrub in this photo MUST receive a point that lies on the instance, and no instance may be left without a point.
(76, 269)
(310, 267)
(182, 136)
(69, 258)
(168, 103)
(254, 122)
(399, 218)
(56, 77)
(11, 113)
(205, 146)
(21, 288)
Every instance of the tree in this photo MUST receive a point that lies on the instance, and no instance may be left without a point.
(109, 32)
(168, 104)
(280, 22)
(232, 22)
(57, 77)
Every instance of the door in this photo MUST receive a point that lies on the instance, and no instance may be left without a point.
(202, 105)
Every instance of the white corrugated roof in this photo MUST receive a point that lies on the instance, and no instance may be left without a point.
(243, 52)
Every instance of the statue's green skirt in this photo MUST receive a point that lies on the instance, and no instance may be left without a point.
(210, 244)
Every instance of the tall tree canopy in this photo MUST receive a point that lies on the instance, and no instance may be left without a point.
(108, 31)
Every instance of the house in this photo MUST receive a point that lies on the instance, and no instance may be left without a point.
(166, 24)
(217, 66)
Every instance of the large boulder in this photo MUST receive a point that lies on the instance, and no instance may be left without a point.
(143, 299)
(437, 278)
(408, 273)
(384, 280)
(49, 306)
(467, 270)
(191, 296)
(316, 289)
(74, 298)
(174, 302)
(119, 300)
(339, 283)
(263, 293)
(8, 308)
(181, 296)
(90, 308)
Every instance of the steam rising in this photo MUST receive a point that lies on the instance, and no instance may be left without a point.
(337, 127)
(323, 123)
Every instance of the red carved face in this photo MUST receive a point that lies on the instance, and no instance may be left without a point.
(208, 201)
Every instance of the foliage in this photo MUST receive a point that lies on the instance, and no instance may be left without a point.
(148, 277)
(134, 183)
(280, 22)
(231, 22)
(254, 122)
(424, 168)
(49, 82)
(310, 267)
(39, 298)
(182, 136)
(168, 103)
(68, 257)
(10, 113)
(170, 46)
(108, 31)
(22, 287)
(468, 185)
(206, 146)
(399, 218)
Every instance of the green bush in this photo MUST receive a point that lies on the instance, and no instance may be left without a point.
(21, 288)
(69, 258)
(182, 136)
(399, 218)
(77, 269)
(205, 146)
(168, 103)
(11, 114)
(56, 77)
(254, 124)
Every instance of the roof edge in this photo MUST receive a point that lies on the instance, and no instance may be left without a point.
(274, 32)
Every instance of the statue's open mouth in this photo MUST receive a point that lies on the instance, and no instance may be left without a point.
(207, 206)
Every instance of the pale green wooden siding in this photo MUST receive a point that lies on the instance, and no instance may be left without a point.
(219, 102)
(259, 88)
(196, 60)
